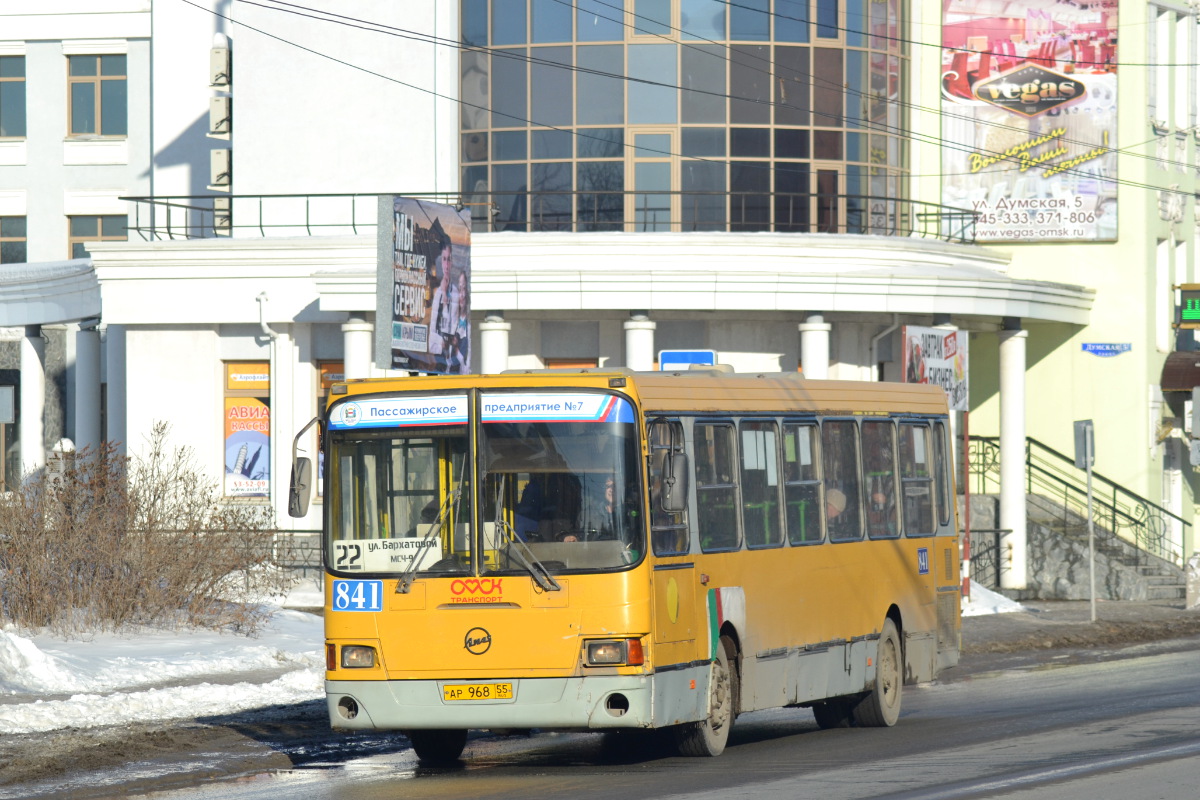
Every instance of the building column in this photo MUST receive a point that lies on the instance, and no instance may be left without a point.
(639, 342)
(493, 343)
(814, 346)
(33, 400)
(357, 338)
(87, 386)
(1013, 514)
(114, 386)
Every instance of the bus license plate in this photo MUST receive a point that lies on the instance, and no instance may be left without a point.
(477, 691)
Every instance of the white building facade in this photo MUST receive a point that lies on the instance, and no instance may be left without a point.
(230, 311)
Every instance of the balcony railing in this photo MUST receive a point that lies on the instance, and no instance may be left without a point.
(201, 217)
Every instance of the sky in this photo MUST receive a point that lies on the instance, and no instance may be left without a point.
(149, 675)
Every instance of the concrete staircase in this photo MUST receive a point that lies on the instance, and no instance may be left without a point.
(1059, 563)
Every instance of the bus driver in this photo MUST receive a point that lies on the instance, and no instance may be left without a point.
(602, 517)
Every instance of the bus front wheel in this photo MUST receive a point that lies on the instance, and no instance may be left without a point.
(708, 737)
(438, 746)
(881, 707)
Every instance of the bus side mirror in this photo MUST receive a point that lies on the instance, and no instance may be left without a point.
(301, 488)
(675, 484)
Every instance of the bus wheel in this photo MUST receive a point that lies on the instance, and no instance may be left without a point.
(438, 747)
(835, 713)
(708, 738)
(881, 707)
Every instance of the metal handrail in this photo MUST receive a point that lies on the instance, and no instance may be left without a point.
(986, 562)
(157, 218)
(1133, 519)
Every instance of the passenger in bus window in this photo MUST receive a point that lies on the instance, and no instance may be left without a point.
(835, 503)
(881, 518)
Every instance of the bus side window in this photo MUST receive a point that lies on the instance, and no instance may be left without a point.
(669, 532)
(760, 483)
(941, 465)
(843, 503)
(916, 476)
(802, 483)
(716, 490)
(879, 469)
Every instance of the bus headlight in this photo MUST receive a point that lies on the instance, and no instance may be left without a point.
(357, 656)
(615, 653)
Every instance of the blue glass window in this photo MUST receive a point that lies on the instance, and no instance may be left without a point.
(702, 19)
(551, 21)
(749, 20)
(508, 22)
(649, 102)
(599, 21)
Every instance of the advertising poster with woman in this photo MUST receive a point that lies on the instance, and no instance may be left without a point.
(424, 303)
(937, 356)
(1029, 115)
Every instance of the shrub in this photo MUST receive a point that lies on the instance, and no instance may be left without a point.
(108, 542)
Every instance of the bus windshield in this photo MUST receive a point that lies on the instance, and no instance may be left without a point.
(399, 497)
(558, 474)
(560, 481)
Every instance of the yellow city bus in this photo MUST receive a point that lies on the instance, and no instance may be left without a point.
(598, 550)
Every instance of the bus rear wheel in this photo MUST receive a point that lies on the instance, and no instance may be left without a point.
(881, 707)
(438, 746)
(708, 737)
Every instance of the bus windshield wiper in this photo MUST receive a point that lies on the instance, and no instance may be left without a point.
(536, 568)
(404, 583)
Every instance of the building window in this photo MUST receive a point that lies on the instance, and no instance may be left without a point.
(98, 90)
(571, 363)
(107, 228)
(726, 82)
(12, 97)
(12, 241)
(247, 429)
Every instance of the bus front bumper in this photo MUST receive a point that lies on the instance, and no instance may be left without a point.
(591, 703)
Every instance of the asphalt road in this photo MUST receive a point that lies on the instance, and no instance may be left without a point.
(1043, 702)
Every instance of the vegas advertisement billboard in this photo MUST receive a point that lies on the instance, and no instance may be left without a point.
(1029, 118)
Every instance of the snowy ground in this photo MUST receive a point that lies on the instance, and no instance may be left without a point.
(49, 684)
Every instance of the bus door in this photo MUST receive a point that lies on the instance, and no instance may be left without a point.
(926, 552)
(674, 575)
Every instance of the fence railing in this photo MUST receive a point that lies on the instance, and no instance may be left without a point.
(987, 561)
(1144, 525)
(207, 216)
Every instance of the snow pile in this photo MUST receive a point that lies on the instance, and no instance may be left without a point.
(225, 673)
(985, 601)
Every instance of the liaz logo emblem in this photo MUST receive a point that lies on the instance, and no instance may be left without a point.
(1030, 90)
(922, 560)
(477, 641)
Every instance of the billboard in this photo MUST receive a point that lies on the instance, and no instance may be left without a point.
(423, 304)
(1029, 118)
(938, 356)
